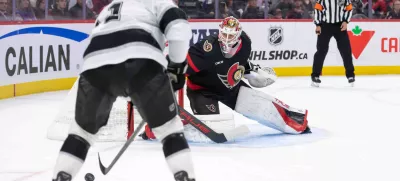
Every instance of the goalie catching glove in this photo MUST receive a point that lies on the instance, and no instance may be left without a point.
(260, 76)
(176, 72)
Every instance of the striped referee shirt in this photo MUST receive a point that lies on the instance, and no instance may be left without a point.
(332, 11)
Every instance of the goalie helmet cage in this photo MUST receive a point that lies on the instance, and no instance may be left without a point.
(120, 126)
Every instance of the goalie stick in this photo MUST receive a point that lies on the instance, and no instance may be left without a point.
(203, 128)
(207, 131)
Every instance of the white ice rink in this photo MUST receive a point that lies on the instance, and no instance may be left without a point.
(356, 138)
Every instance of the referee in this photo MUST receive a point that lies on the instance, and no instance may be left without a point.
(331, 19)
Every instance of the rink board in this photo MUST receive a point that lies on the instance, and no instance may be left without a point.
(46, 56)
(66, 83)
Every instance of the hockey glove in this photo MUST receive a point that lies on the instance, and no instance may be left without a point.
(260, 76)
(176, 72)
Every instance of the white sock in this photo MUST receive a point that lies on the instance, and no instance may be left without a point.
(181, 161)
(67, 163)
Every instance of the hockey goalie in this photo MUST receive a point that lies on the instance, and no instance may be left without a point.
(217, 65)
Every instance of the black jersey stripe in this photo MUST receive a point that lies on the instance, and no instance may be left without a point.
(120, 38)
(337, 12)
(170, 15)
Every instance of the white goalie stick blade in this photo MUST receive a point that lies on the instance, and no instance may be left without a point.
(210, 133)
(240, 131)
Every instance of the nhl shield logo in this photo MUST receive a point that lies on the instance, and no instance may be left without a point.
(275, 35)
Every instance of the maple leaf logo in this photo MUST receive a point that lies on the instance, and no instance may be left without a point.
(357, 31)
(359, 39)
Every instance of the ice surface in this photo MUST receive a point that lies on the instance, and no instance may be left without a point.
(356, 138)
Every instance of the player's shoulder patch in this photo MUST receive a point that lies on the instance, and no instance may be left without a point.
(208, 43)
(207, 46)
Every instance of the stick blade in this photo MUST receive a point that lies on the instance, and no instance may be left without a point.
(237, 132)
(102, 167)
(218, 138)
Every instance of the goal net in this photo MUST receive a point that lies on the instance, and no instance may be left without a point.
(122, 123)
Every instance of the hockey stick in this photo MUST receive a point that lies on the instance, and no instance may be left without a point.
(104, 169)
(203, 128)
(207, 131)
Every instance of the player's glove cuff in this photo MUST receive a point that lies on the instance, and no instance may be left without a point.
(252, 67)
(176, 72)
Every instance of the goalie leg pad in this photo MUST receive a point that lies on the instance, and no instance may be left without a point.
(230, 97)
(270, 111)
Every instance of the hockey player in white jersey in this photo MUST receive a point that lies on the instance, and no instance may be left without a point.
(125, 58)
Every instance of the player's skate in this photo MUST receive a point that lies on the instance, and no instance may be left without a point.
(63, 176)
(315, 81)
(183, 176)
(351, 81)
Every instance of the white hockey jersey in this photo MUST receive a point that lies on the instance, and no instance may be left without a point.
(128, 29)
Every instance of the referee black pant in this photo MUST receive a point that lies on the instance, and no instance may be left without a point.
(343, 44)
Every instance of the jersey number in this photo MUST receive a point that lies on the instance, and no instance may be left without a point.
(115, 12)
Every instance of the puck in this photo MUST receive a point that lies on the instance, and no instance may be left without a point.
(89, 177)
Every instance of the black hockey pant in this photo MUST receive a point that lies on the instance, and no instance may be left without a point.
(203, 102)
(143, 80)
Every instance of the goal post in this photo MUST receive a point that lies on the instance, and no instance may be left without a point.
(121, 123)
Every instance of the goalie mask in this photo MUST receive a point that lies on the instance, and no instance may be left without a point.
(229, 34)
